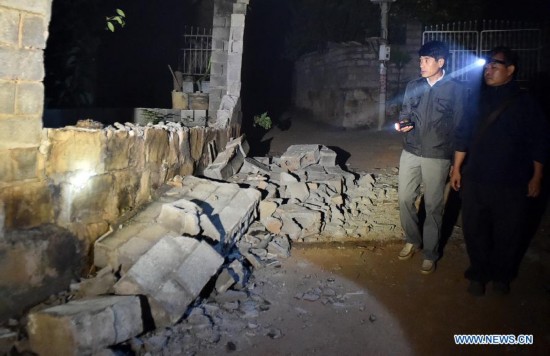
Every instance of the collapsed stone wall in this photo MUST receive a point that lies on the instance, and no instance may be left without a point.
(86, 181)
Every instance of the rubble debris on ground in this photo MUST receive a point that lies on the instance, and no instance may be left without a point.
(183, 264)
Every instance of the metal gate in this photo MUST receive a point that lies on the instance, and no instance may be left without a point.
(469, 41)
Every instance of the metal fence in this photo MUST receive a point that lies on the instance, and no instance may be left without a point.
(469, 41)
(194, 56)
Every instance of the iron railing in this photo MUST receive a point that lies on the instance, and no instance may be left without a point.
(469, 41)
(194, 56)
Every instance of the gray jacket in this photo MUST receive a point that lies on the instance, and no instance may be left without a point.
(436, 112)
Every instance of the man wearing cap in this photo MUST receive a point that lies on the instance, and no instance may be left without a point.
(503, 173)
(433, 105)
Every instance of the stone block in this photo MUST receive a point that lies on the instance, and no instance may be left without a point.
(299, 156)
(7, 97)
(41, 7)
(34, 32)
(226, 164)
(272, 224)
(181, 216)
(298, 190)
(267, 208)
(237, 20)
(309, 221)
(171, 274)
(9, 27)
(18, 164)
(123, 247)
(327, 157)
(85, 326)
(22, 131)
(75, 150)
(187, 115)
(349, 178)
(251, 165)
(27, 204)
(29, 99)
(227, 206)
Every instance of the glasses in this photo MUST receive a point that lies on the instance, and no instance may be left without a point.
(492, 63)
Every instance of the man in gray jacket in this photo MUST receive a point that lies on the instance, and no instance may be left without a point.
(434, 104)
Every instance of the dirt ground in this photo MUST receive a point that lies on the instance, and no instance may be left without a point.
(386, 306)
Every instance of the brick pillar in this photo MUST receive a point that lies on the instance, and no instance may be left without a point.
(23, 34)
(227, 50)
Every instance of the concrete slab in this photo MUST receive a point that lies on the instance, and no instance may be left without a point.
(85, 326)
(171, 274)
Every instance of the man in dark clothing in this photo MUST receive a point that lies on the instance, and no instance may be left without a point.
(435, 104)
(504, 167)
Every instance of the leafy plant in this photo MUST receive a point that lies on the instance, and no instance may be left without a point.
(263, 121)
(119, 19)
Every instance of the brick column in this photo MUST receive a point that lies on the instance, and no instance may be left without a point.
(23, 34)
(227, 50)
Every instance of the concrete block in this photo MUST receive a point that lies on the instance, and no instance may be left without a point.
(226, 164)
(300, 156)
(327, 157)
(9, 27)
(181, 216)
(298, 190)
(308, 220)
(251, 165)
(229, 208)
(171, 274)
(85, 326)
(34, 31)
(187, 115)
(120, 249)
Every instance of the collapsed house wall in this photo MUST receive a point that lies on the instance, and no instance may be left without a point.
(82, 180)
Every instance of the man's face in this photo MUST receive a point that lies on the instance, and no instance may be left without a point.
(430, 67)
(496, 72)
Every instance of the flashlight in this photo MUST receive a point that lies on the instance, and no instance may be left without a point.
(404, 124)
(481, 62)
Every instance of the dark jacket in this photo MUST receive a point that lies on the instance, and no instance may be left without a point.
(436, 112)
(505, 151)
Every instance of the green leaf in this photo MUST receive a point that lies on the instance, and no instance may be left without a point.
(111, 26)
(120, 12)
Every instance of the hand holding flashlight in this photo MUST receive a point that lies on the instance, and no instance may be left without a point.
(404, 125)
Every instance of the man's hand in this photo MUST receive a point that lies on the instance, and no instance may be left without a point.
(535, 184)
(456, 176)
(406, 129)
(456, 179)
(534, 187)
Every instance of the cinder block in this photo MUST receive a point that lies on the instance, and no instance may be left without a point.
(327, 157)
(85, 326)
(171, 274)
(300, 156)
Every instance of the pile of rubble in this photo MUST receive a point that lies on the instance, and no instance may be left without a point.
(190, 254)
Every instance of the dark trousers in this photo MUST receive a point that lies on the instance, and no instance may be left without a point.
(493, 220)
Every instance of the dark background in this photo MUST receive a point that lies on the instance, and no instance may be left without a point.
(87, 66)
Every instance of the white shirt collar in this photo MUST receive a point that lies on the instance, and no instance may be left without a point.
(438, 79)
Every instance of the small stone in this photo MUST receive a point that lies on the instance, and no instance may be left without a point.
(372, 318)
(311, 297)
(230, 346)
(275, 333)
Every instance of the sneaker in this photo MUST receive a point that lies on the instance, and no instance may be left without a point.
(428, 266)
(501, 288)
(407, 252)
(476, 288)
